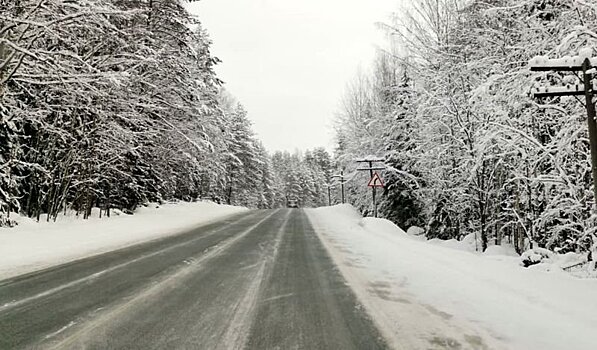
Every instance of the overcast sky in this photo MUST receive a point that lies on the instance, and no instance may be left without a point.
(288, 61)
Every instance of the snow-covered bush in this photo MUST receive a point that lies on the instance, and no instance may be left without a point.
(6, 221)
(535, 256)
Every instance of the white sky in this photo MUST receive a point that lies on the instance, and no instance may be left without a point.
(288, 61)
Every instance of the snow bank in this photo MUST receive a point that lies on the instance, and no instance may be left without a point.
(374, 225)
(31, 245)
(501, 250)
(415, 231)
(540, 259)
(425, 295)
(472, 244)
(468, 243)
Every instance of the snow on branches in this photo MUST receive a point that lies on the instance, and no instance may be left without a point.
(453, 110)
(108, 104)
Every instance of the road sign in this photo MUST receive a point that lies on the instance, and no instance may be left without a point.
(375, 181)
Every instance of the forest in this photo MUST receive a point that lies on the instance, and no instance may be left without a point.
(114, 104)
(468, 150)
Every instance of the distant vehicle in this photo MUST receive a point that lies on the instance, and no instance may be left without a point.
(292, 203)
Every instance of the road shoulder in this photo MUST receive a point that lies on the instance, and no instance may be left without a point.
(404, 321)
(33, 246)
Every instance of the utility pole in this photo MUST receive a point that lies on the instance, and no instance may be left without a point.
(373, 176)
(581, 63)
(342, 182)
(329, 186)
(590, 105)
(4, 65)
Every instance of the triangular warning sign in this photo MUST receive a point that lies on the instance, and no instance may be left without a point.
(375, 181)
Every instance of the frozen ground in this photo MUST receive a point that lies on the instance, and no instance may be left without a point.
(429, 295)
(31, 245)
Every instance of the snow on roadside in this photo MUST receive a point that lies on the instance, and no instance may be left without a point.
(425, 295)
(31, 246)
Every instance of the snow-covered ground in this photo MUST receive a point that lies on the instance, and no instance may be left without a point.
(429, 295)
(31, 245)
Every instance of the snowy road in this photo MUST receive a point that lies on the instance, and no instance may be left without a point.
(259, 280)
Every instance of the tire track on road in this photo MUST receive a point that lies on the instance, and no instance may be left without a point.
(238, 331)
(33, 318)
(77, 336)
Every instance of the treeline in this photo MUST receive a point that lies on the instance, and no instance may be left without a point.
(468, 150)
(112, 104)
(303, 177)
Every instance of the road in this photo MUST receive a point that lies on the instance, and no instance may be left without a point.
(258, 280)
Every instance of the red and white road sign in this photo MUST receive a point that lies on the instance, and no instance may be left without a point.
(375, 181)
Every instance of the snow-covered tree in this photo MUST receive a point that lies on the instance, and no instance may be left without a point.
(468, 151)
(112, 104)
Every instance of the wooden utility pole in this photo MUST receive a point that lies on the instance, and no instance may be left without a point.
(582, 63)
(371, 169)
(342, 182)
(329, 186)
(590, 105)
(3, 67)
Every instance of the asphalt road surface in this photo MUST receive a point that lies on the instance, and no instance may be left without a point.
(258, 280)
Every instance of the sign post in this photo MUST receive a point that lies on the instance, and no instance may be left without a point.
(374, 180)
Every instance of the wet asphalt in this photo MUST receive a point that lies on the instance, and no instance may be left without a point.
(257, 280)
